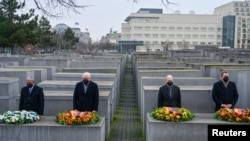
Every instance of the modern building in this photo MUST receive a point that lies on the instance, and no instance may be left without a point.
(236, 23)
(172, 31)
(151, 30)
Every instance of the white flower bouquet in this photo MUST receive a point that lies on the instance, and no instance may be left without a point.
(19, 117)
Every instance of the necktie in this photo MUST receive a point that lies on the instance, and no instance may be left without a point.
(30, 90)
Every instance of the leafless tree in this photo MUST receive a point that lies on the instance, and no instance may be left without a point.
(56, 8)
(166, 3)
(51, 7)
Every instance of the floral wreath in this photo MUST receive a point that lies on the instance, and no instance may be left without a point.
(233, 115)
(19, 117)
(172, 114)
(75, 117)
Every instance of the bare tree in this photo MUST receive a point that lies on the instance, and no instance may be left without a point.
(166, 3)
(56, 8)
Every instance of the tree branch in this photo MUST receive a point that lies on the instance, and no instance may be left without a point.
(51, 7)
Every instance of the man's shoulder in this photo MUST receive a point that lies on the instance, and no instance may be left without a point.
(24, 87)
(94, 83)
(38, 87)
(217, 82)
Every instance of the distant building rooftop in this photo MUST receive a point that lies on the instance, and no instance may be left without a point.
(150, 11)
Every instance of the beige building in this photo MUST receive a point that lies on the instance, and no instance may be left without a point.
(160, 31)
(151, 30)
(236, 23)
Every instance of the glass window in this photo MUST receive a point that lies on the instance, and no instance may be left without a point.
(163, 35)
(155, 35)
(163, 28)
(137, 28)
(171, 28)
(203, 29)
(147, 28)
(155, 28)
(147, 35)
(195, 29)
(179, 28)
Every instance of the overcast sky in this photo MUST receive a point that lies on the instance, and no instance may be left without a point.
(103, 15)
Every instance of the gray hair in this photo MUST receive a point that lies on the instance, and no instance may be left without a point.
(30, 78)
(86, 74)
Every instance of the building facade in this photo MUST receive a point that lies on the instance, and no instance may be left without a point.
(172, 31)
(236, 23)
(229, 26)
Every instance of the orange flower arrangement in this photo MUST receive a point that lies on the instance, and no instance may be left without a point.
(172, 114)
(75, 117)
(233, 115)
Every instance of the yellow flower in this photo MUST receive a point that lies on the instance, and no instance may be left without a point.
(233, 115)
(181, 114)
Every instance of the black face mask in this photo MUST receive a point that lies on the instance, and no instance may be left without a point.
(225, 79)
(169, 83)
(85, 81)
(29, 85)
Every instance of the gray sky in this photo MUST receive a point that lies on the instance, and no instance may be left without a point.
(103, 15)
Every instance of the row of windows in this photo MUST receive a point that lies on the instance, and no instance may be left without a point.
(242, 10)
(242, 4)
(181, 43)
(172, 28)
(175, 36)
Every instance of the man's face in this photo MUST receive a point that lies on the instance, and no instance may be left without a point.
(86, 78)
(30, 82)
(225, 75)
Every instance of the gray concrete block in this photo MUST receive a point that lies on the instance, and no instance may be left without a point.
(21, 74)
(48, 130)
(194, 130)
(58, 63)
(49, 69)
(60, 101)
(39, 74)
(197, 99)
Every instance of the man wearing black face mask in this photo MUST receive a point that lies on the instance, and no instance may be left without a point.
(32, 97)
(169, 95)
(86, 94)
(224, 92)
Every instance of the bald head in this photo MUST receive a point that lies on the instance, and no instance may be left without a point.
(86, 75)
(169, 80)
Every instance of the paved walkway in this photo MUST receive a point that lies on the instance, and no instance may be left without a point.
(126, 125)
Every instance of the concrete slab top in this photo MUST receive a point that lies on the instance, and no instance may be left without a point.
(159, 62)
(165, 68)
(70, 93)
(187, 70)
(14, 70)
(41, 67)
(224, 64)
(181, 87)
(68, 82)
(22, 69)
(70, 74)
(191, 78)
(108, 68)
(4, 80)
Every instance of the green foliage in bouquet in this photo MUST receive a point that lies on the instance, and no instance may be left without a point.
(19, 117)
(233, 115)
(172, 114)
(75, 117)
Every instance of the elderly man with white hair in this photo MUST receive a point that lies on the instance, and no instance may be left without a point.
(31, 97)
(169, 95)
(86, 94)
